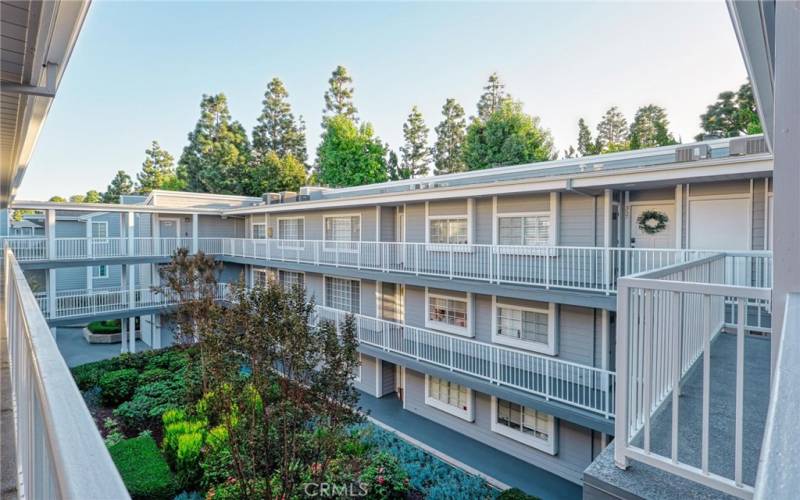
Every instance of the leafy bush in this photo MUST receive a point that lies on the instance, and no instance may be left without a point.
(88, 375)
(217, 459)
(149, 402)
(113, 434)
(432, 477)
(151, 375)
(183, 444)
(143, 469)
(107, 326)
(171, 359)
(384, 478)
(515, 494)
(118, 386)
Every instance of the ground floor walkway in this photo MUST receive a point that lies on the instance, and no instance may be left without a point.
(76, 351)
(490, 461)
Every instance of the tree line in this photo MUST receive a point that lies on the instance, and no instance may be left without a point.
(220, 157)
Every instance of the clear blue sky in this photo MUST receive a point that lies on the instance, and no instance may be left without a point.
(140, 68)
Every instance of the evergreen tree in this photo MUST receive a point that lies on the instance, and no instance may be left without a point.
(448, 151)
(277, 130)
(612, 132)
(120, 184)
(93, 196)
(350, 155)
(339, 96)
(415, 153)
(650, 128)
(393, 168)
(158, 170)
(570, 152)
(215, 160)
(272, 174)
(733, 114)
(586, 147)
(508, 137)
(494, 94)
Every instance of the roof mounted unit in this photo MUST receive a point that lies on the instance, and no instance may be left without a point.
(747, 146)
(271, 198)
(288, 196)
(692, 153)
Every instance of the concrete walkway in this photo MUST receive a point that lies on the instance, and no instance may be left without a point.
(77, 351)
(490, 461)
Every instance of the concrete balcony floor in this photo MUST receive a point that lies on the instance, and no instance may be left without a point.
(649, 482)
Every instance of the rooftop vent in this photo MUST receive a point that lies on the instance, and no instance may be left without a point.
(288, 196)
(692, 153)
(271, 198)
(747, 146)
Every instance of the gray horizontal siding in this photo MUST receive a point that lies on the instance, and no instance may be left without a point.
(448, 207)
(535, 202)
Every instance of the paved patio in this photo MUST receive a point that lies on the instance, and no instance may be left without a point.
(488, 460)
(77, 351)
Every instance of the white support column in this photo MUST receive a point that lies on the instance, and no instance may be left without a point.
(679, 216)
(379, 299)
(51, 297)
(131, 232)
(786, 149)
(555, 217)
(50, 227)
(378, 223)
(470, 220)
(378, 377)
(157, 331)
(132, 334)
(605, 338)
(123, 348)
(608, 196)
(195, 235)
(131, 274)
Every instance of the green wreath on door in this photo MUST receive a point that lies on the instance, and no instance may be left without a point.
(652, 221)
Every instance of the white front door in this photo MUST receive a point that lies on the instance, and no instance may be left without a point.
(719, 224)
(662, 239)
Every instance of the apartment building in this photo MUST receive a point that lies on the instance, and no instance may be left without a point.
(486, 301)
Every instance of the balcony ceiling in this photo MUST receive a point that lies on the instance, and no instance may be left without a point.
(32, 35)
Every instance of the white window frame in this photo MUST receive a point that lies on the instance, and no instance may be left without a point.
(100, 275)
(98, 239)
(259, 270)
(467, 413)
(325, 290)
(502, 215)
(550, 348)
(300, 273)
(264, 224)
(341, 248)
(548, 446)
(282, 243)
(446, 247)
(437, 325)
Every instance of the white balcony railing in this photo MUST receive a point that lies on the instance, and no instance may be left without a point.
(59, 452)
(81, 303)
(668, 321)
(554, 379)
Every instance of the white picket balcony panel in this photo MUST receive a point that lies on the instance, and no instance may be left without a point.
(59, 451)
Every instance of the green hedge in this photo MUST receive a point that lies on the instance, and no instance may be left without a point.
(108, 326)
(143, 469)
(117, 387)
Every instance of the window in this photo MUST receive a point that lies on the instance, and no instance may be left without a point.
(259, 230)
(291, 279)
(449, 397)
(525, 327)
(524, 424)
(343, 294)
(260, 277)
(450, 314)
(525, 230)
(452, 231)
(100, 271)
(343, 228)
(100, 230)
(291, 229)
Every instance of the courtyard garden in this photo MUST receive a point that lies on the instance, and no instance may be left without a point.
(253, 402)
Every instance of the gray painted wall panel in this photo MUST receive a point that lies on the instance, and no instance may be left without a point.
(535, 202)
(576, 334)
(577, 225)
(415, 223)
(388, 224)
(719, 187)
(483, 221)
(448, 207)
(368, 371)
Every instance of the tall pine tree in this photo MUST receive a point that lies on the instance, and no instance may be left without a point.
(586, 146)
(277, 129)
(650, 128)
(612, 132)
(120, 184)
(216, 158)
(339, 96)
(494, 94)
(415, 153)
(448, 151)
(158, 171)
